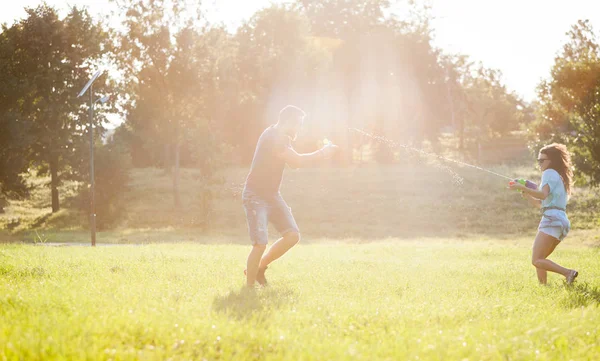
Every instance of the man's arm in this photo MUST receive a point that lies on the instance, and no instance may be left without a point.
(296, 160)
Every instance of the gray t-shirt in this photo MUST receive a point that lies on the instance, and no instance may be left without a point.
(267, 167)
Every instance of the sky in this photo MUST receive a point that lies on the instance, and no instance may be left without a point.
(518, 37)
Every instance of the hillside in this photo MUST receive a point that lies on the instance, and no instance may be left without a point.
(371, 201)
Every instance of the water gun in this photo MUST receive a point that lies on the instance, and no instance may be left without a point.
(525, 182)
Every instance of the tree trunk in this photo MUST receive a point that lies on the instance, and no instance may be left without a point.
(461, 134)
(176, 176)
(349, 159)
(54, 183)
(453, 115)
(479, 140)
(167, 158)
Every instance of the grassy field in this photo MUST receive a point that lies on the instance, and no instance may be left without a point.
(420, 299)
(396, 263)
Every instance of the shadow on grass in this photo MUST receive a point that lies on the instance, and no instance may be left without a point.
(253, 303)
(581, 295)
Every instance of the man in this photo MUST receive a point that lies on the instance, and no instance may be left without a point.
(263, 202)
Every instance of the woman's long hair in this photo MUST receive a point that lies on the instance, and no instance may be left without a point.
(560, 161)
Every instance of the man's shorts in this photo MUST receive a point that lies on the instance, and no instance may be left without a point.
(262, 210)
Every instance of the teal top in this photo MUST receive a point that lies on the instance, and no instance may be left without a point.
(558, 195)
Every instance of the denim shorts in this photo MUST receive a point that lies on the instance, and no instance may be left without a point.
(555, 223)
(262, 210)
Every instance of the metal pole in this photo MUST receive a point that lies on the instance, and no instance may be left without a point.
(92, 182)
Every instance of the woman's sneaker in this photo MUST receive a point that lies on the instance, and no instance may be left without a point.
(571, 277)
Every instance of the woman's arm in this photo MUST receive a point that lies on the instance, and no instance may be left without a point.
(541, 195)
(533, 201)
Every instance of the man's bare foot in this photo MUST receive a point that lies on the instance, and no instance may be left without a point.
(260, 276)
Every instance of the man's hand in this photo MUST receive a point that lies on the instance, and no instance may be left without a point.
(329, 150)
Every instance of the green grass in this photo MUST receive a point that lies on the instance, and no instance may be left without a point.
(412, 299)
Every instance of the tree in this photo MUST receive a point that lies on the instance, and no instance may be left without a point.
(50, 60)
(388, 72)
(479, 101)
(569, 108)
(13, 161)
(458, 72)
(494, 110)
(168, 70)
(344, 19)
(13, 131)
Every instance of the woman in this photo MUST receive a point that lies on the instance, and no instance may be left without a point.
(551, 196)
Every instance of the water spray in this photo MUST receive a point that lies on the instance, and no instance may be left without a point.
(393, 144)
(457, 179)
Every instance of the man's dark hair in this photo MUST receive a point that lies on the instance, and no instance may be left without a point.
(291, 113)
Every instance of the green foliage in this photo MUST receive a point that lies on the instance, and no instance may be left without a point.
(481, 106)
(13, 162)
(13, 130)
(169, 68)
(495, 111)
(569, 107)
(50, 60)
(166, 65)
(344, 19)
